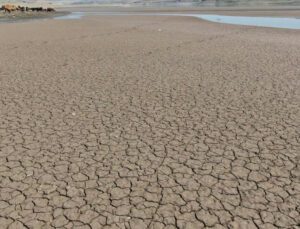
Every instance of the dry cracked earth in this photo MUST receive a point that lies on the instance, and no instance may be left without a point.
(148, 122)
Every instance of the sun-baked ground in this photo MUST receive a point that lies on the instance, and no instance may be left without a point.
(158, 122)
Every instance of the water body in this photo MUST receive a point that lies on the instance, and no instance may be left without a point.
(272, 22)
(219, 3)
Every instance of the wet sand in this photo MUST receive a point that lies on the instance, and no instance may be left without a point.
(287, 11)
(158, 122)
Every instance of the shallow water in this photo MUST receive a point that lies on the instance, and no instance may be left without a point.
(287, 23)
(273, 22)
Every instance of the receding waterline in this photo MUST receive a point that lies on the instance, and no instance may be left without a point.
(273, 22)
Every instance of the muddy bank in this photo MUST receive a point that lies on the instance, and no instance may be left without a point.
(24, 16)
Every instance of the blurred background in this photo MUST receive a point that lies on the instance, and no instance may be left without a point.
(167, 3)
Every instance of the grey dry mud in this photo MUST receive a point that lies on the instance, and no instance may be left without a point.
(148, 122)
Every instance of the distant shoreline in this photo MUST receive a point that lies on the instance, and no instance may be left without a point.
(231, 11)
(25, 16)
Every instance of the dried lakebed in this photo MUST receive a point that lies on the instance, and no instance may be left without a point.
(148, 123)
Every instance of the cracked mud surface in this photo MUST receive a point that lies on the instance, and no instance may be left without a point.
(148, 122)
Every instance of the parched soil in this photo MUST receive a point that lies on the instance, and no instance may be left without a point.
(148, 122)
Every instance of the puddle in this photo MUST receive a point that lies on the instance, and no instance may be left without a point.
(273, 22)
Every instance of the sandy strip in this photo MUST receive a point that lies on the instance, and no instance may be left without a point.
(293, 11)
(158, 122)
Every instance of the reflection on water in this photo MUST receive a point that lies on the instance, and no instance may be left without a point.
(273, 22)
